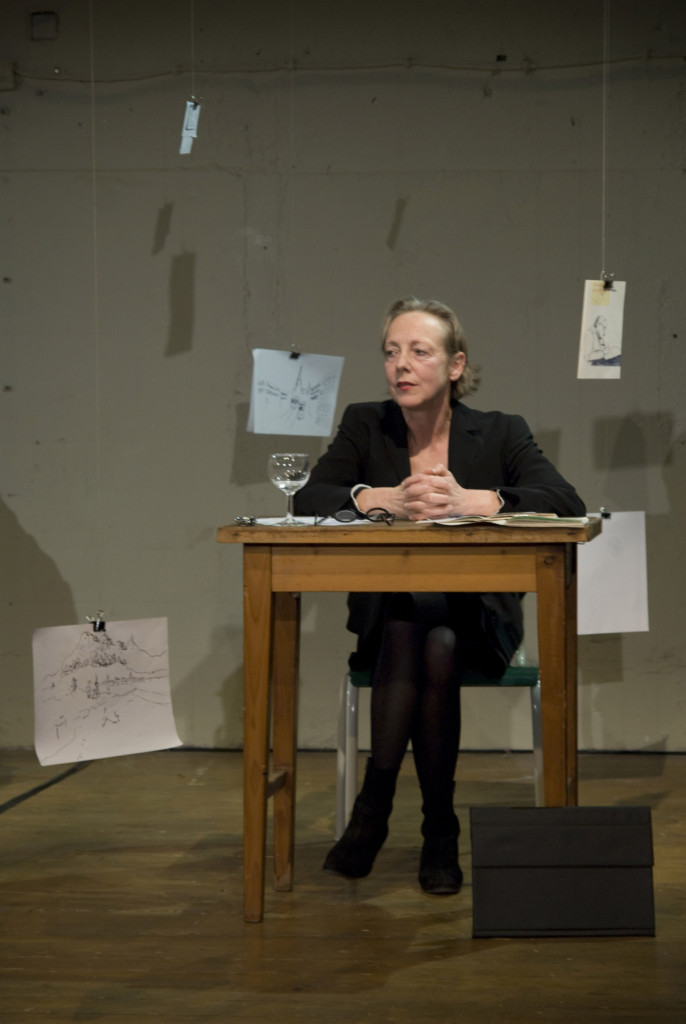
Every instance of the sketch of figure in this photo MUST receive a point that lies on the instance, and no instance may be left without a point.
(599, 351)
(600, 338)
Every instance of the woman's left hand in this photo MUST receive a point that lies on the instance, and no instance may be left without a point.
(436, 494)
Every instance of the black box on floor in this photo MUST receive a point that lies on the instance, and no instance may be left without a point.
(562, 871)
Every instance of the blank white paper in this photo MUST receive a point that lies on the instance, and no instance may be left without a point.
(613, 579)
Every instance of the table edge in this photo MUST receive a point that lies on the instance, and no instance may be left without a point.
(409, 533)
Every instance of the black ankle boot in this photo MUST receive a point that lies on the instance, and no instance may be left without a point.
(439, 871)
(354, 854)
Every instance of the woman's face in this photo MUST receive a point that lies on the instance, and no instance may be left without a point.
(419, 371)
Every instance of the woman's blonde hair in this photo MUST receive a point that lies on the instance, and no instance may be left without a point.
(454, 337)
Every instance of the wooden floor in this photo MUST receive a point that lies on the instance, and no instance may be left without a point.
(121, 901)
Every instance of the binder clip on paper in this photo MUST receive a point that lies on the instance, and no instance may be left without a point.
(98, 622)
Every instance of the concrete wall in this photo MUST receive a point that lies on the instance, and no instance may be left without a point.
(347, 154)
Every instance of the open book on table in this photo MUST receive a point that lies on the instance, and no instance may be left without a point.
(516, 519)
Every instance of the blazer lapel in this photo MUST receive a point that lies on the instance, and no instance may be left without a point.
(465, 443)
(395, 441)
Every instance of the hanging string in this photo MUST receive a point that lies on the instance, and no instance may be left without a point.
(193, 50)
(603, 173)
(291, 91)
(294, 346)
(96, 310)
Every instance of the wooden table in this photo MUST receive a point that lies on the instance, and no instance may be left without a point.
(280, 562)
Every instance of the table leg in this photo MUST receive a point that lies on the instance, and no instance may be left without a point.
(556, 591)
(257, 628)
(285, 645)
(572, 675)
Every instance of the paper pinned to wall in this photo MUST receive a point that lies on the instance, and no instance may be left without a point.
(613, 578)
(102, 694)
(189, 131)
(293, 394)
(602, 319)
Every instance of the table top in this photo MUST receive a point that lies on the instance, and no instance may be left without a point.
(403, 532)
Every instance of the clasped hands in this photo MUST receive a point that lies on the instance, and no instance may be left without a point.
(434, 494)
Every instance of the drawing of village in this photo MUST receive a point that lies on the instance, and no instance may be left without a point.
(102, 694)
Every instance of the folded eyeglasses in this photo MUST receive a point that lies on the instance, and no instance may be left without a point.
(374, 515)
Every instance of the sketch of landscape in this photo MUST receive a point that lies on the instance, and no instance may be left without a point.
(293, 395)
(102, 694)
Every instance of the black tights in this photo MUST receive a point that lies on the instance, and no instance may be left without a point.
(416, 693)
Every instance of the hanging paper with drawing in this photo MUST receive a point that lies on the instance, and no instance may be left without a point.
(190, 127)
(102, 693)
(293, 394)
(600, 345)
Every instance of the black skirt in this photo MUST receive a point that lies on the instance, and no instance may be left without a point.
(486, 642)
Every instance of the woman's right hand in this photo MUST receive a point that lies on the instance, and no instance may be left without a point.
(392, 499)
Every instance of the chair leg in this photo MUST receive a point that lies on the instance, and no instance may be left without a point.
(351, 709)
(346, 761)
(340, 758)
(538, 743)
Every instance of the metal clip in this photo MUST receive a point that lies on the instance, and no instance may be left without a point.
(98, 623)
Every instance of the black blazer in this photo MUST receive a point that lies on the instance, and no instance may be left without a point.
(487, 450)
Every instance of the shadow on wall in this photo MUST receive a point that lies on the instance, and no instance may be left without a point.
(208, 684)
(639, 439)
(181, 286)
(633, 451)
(181, 304)
(33, 594)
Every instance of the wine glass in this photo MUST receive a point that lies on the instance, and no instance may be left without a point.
(289, 471)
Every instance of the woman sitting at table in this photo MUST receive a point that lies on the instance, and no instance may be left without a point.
(425, 455)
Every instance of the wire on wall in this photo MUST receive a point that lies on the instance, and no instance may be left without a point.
(522, 68)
